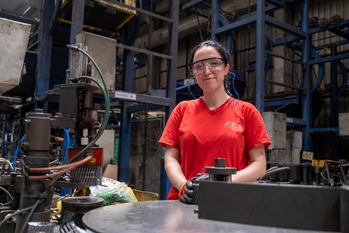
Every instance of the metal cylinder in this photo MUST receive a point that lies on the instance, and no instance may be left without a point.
(219, 162)
(74, 208)
(88, 99)
(38, 131)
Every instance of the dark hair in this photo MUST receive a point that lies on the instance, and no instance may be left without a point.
(215, 44)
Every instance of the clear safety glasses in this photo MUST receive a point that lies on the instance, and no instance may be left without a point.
(214, 64)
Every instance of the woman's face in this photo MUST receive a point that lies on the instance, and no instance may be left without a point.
(209, 69)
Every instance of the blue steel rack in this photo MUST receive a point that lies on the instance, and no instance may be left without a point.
(309, 53)
(45, 55)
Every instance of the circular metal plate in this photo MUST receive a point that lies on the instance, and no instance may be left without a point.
(162, 216)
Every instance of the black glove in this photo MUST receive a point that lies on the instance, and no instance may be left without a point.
(191, 189)
(187, 196)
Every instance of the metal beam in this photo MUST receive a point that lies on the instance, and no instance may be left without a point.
(18, 18)
(145, 12)
(285, 85)
(273, 2)
(281, 101)
(284, 26)
(260, 52)
(329, 59)
(45, 53)
(296, 121)
(145, 51)
(141, 98)
(285, 58)
(77, 20)
(306, 79)
(237, 24)
(192, 4)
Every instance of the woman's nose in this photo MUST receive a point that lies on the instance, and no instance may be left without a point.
(207, 69)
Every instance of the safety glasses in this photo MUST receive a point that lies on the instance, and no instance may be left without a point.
(214, 64)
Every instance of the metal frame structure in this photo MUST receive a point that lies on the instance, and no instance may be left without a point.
(168, 102)
(260, 19)
(126, 98)
(221, 27)
(49, 17)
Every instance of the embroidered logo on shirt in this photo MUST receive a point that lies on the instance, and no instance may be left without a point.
(233, 126)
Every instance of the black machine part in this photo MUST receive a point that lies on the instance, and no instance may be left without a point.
(304, 207)
(217, 172)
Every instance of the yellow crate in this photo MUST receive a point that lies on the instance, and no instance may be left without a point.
(145, 196)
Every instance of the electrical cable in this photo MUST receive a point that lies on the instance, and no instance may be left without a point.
(189, 83)
(5, 191)
(7, 162)
(16, 213)
(107, 104)
(16, 154)
(96, 137)
(67, 167)
(66, 145)
(78, 163)
(273, 171)
(237, 94)
(24, 226)
(107, 110)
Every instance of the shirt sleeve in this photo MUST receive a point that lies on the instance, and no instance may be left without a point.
(256, 133)
(170, 135)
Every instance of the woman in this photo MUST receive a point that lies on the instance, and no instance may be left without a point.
(213, 126)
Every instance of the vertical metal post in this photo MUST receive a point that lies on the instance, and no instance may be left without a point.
(171, 79)
(125, 127)
(45, 51)
(334, 85)
(216, 11)
(77, 21)
(306, 79)
(3, 142)
(260, 27)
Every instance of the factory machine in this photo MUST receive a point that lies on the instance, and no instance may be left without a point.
(222, 206)
(29, 177)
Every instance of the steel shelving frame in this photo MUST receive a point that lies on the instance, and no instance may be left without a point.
(303, 36)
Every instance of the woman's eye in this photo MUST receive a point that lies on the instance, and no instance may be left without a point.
(215, 62)
(199, 66)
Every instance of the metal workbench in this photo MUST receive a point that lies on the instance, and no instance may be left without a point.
(164, 216)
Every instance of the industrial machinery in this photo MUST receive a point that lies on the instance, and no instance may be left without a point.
(29, 178)
(302, 207)
(218, 172)
(317, 203)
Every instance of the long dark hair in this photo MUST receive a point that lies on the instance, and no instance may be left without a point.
(223, 53)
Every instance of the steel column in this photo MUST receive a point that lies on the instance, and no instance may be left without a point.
(125, 128)
(216, 11)
(306, 79)
(171, 79)
(260, 26)
(333, 89)
(45, 52)
(77, 21)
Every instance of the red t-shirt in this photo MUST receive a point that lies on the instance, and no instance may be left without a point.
(201, 135)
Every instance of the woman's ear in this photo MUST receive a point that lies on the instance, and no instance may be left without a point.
(227, 67)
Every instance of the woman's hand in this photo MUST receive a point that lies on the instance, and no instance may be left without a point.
(256, 168)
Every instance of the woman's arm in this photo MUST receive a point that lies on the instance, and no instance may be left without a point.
(172, 167)
(255, 169)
